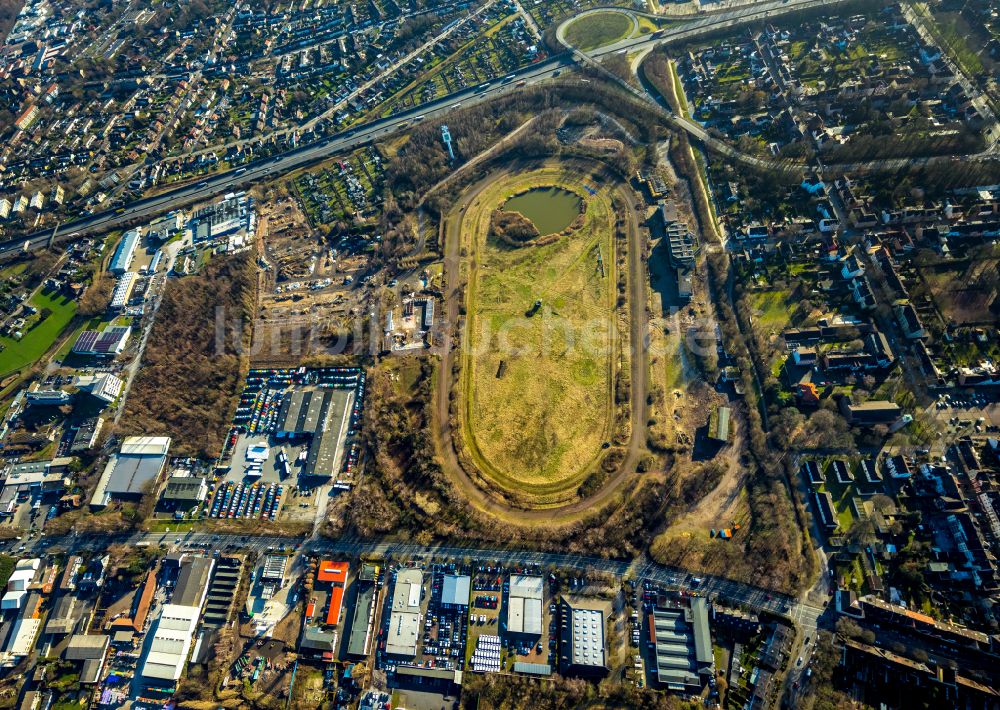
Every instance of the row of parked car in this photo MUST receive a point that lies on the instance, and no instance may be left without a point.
(240, 500)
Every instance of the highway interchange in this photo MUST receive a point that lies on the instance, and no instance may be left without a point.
(267, 168)
(803, 612)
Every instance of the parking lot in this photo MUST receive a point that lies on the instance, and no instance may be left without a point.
(969, 414)
(444, 629)
(247, 500)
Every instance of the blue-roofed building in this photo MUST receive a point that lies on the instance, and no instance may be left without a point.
(125, 252)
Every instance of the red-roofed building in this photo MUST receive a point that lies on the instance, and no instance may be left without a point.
(333, 572)
(333, 575)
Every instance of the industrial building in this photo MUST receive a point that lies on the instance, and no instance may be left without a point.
(324, 609)
(221, 590)
(524, 605)
(163, 228)
(18, 585)
(322, 415)
(102, 343)
(20, 641)
(142, 602)
(583, 650)
(64, 616)
(272, 575)
(455, 591)
(105, 387)
(171, 643)
(232, 217)
(404, 617)
(331, 580)
(683, 646)
(363, 621)
(123, 291)
(183, 493)
(41, 395)
(317, 643)
(86, 435)
(89, 651)
(125, 252)
(133, 471)
(192, 582)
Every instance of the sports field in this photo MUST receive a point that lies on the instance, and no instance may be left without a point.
(537, 378)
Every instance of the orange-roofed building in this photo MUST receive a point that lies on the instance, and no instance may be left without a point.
(334, 572)
(142, 606)
(334, 576)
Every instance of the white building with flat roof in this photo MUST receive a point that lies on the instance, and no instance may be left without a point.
(21, 641)
(524, 605)
(404, 618)
(171, 643)
(123, 291)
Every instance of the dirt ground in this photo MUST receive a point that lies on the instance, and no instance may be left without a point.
(290, 243)
(687, 399)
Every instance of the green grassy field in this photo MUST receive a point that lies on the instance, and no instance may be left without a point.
(771, 309)
(18, 354)
(597, 30)
(539, 388)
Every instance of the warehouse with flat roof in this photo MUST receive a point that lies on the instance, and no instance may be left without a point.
(132, 472)
(171, 644)
(524, 605)
(192, 582)
(404, 619)
(583, 649)
(362, 623)
(322, 415)
(455, 591)
(102, 343)
(124, 252)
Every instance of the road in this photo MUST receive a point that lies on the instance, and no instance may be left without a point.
(397, 64)
(267, 168)
(714, 587)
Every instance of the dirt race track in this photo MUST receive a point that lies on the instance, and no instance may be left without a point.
(481, 492)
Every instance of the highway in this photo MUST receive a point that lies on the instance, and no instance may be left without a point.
(267, 168)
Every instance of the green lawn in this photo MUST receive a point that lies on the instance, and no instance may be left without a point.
(18, 354)
(6, 569)
(771, 309)
(597, 30)
(841, 493)
(539, 399)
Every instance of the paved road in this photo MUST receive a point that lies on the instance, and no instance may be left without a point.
(724, 589)
(266, 168)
